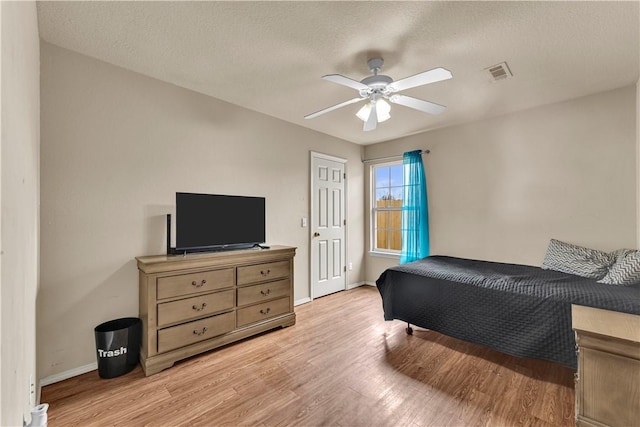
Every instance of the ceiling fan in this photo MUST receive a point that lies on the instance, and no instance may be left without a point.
(379, 87)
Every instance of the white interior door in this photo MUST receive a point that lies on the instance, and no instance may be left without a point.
(328, 256)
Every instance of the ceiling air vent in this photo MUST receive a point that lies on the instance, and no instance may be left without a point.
(499, 71)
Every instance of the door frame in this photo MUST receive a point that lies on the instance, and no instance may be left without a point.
(318, 155)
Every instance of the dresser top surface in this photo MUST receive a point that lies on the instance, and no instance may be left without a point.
(606, 322)
(157, 263)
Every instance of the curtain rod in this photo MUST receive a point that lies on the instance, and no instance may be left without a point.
(399, 156)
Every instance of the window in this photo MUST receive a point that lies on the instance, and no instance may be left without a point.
(386, 207)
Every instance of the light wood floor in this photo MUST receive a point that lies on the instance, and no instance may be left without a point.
(340, 365)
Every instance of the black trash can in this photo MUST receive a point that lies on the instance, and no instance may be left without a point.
(118, 346)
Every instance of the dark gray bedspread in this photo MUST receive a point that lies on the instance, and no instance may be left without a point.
(516, 309)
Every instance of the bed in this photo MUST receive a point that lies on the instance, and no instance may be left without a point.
(516, 309)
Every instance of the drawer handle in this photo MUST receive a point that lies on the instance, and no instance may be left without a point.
(265, 293)
(199, 285)
(196, 308)
(196, 332)
(265, 311)
(265, 273)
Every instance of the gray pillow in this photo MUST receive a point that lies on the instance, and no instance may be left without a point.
(625, 270)
(577, 260)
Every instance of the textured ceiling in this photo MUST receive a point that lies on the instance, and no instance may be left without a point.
(269, 56)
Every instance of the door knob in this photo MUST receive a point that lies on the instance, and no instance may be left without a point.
(316, 234)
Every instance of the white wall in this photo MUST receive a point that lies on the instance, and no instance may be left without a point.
(116, 146)
(19, 198)
(499, 189)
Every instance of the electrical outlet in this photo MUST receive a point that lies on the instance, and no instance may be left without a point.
(350, 266)
(32, 391)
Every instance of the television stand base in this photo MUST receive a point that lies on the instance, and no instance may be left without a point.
(258, 245)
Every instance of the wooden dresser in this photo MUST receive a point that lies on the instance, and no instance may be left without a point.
(194, 303)
(608, 377)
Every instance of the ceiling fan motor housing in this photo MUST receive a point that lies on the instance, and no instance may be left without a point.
(377, 84)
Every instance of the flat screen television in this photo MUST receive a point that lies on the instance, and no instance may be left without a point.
(209, 222)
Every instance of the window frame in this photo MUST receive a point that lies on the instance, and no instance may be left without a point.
(373, 209)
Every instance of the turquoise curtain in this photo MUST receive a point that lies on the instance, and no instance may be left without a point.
(415, 215)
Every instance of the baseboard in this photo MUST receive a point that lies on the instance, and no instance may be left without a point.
(51, 379)
(349, 287)
(301, 301)
(355, 285)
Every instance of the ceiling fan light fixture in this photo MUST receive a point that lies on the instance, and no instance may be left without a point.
(383, 110)
(363, 113)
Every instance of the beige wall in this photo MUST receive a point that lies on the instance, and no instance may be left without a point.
(116, 146)
(499, 189)
(19, 197)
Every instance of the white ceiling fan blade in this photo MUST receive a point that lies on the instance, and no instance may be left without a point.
(372, 120)
(345, 81)
(431, 76)
(417, 104)
(335, 107)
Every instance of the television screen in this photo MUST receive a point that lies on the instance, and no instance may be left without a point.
(213, 221)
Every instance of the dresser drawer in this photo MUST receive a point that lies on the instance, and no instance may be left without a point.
(261, 272)
(191, 308)
(263, 311)
(263, 292)
(192, 332)
(187, 284)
